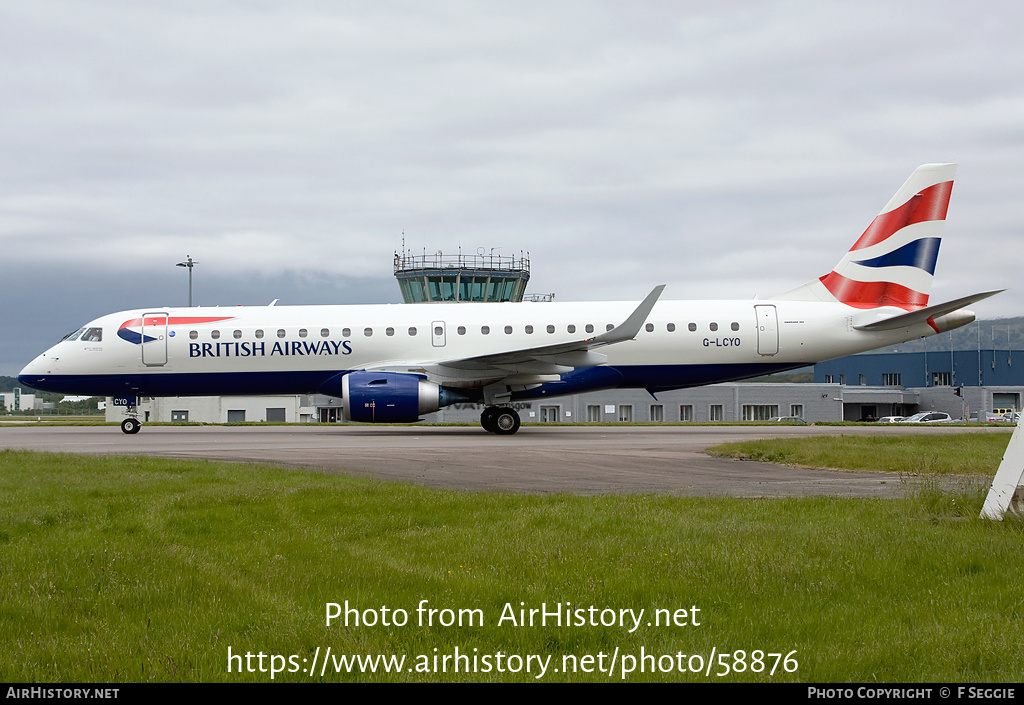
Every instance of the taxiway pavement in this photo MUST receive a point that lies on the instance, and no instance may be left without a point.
(539, 459)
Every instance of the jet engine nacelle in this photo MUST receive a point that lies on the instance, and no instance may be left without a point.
(388, 397)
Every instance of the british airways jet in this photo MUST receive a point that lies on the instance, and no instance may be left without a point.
(393, 363)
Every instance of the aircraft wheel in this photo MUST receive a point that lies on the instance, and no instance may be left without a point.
(506, 421)
(487, 419)
(131, 425)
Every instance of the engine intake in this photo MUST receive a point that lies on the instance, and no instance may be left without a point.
(387, 397)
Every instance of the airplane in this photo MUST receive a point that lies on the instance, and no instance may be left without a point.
(394, 363)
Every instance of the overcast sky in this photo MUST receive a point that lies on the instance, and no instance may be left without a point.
(730, 150)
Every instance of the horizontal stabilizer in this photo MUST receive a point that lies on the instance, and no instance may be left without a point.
(922, 315)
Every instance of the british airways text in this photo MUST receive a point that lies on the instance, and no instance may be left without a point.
(252, 349)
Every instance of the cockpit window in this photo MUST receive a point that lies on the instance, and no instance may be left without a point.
(73, 336)
(92, 335)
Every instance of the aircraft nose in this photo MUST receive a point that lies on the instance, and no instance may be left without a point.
(35, 373)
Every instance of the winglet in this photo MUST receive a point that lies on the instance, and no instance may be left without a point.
(628, 329)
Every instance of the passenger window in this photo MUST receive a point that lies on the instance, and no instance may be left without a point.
(713, 327)
(389, 331)
(671, 327)
(529, 330)
(237, 334)
(692, 327)
(485, 330)
(571, 328)
(438, 331)
(93, 335)
(508, 330)
(461, 330)
(735, 325)
(608, 326)
(346, 332)
(412, 331)
(193, 334)
(215, 334)
(551, 329)
(590, 328)
(259, 332)
(303, 333)
(649, 327)
(280, 332)
(368, 332)
(325, 332)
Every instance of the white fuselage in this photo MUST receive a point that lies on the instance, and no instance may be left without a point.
(299, 349)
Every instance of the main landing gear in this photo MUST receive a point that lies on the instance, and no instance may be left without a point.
(503, 420)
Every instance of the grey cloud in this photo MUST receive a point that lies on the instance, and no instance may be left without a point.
(727, 151)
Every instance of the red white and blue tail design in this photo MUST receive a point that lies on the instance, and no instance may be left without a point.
(893, 262)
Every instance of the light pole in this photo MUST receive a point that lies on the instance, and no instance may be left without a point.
(190, 264)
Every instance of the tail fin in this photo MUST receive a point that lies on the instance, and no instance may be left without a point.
(893, 261)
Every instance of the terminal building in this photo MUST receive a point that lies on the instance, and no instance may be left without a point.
(859, 387)
(840, 391)
(959, 382)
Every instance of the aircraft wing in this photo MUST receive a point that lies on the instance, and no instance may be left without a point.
(540, 360)
(626, 330)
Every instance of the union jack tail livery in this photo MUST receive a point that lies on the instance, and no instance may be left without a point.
(893, 261)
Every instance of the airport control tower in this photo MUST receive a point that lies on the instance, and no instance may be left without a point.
(462, 277)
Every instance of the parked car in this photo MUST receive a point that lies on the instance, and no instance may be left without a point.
(1011, 416)
(984, 417)
(892, 419)
(929, 417)
(787, 419)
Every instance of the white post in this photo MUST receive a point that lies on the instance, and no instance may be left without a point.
(1007, 479)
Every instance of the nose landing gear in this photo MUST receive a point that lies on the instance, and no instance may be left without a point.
(131, 425)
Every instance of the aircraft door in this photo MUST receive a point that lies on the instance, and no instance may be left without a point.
(437, 334)
(767, 330)
(154, 339)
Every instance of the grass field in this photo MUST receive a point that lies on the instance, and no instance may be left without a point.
(963, 454)
(135, 569)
